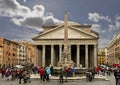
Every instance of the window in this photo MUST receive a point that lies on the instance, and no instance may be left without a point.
(13, 54)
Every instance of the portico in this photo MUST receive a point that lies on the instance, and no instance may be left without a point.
(83, 44)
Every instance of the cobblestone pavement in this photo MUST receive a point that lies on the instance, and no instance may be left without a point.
(56, 82)
(111, 81)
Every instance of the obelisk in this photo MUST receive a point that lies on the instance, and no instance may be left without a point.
(65, 59)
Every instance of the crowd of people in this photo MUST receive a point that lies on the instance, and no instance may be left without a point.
(12, 73)
(46, 72)
(109, 71)
(24, 74)
(103, 70)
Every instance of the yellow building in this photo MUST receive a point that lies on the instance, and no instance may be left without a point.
(113, 50)
(101, 56)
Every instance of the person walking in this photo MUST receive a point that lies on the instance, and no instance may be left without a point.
(98, 69)
(3, 72)
(66, 73)
(44, 74)
(48, 71)
(61, 76)
(117, 76)
(73, 71)
(20, 75)
(41, 72)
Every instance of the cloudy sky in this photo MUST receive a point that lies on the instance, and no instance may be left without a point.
(22, 19)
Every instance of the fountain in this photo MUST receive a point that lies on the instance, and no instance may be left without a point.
(65, 60)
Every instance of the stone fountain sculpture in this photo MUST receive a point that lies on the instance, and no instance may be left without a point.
(65, 60)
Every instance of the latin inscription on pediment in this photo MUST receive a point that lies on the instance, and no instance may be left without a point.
(57, 42)
(59, 34)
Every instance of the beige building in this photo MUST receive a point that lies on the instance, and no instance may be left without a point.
(83, 43)
(101, 56)
(29, 52)
(113, 50)
(21, 52)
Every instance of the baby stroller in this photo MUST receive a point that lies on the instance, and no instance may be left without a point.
(26, 77)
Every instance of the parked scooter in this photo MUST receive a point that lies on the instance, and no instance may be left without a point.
(90, 75)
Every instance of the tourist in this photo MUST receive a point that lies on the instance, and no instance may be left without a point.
(69, 72)
(51, 68)
(3, 72)
(73, 71)
(25, 76)
(48, 71)
(65, 72)
(41, 72)
(8, 74)
(117, 76)
(44, 75)
(98, 69)
(35, 70)
(61, 75)
(13, 73)
(20, 75)
(28, 77)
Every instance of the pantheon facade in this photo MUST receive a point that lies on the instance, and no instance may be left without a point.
(83, 45)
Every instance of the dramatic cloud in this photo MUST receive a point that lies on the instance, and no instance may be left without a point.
(24, 16)
(115, 26)
(30, 22)
(96, 17)
(49, 20)
(103, 42)
(12, 8)
(111, 27)
(117, 22)
(97, 28)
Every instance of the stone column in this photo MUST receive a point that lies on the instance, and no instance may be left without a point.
(95, 55)
(36, 56)
(70, 50)
(86, 56)
(52, 55)
(60, 52)
(43, 55)
(78, 55)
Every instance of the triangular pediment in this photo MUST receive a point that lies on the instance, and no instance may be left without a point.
(58, 33)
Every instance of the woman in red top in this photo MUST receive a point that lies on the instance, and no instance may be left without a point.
(41, 71)
(98, 70)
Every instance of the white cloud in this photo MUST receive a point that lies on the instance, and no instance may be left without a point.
(97, 28)
(103, 42)
(49, 20)
(31, 22)
(111, 27)
(24, 16)
(96, 17)
(24, 0)
(116, 26)
(117, 22)
(38, 11)
(12, 8)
